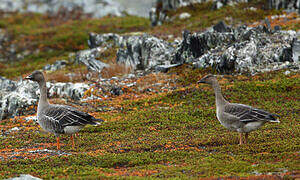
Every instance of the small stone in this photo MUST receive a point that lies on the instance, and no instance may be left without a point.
(33, 118)
(25, 177)
(14, 129)
(165, 68)
(184, 15)
(287, 72)
(277, 28)
(219, 4)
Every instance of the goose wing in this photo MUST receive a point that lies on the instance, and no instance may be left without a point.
(249, 114)
(62, 116)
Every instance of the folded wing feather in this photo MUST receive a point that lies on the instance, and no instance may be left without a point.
(67, 116)
(249, 114)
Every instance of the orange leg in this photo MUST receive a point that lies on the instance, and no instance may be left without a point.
(58, 145)
(241, 138)
(72, 139)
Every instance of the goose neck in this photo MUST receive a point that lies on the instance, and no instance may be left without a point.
(218, 93)
(43, 94)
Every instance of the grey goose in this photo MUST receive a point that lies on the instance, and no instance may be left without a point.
(237, 117)
(59, 119)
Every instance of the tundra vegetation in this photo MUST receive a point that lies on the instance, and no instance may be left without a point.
(159, 134)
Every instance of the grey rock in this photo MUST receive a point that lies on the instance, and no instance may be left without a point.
(217, 5)
(88, 57)
(221, 27)
(115, 90)
(56, 66)
(184, 15)
(7, 85)
(286, 54)
(259, 51)
(25, 177)
(283, 4)
(195, 45)
(74, 91)
(145, 52)
(165, 68)
(296, 50)
(14, 101)
(104, 40)
(137, 7)
(287, 72)
(277, 28)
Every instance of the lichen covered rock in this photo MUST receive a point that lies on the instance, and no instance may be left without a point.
(23, 94)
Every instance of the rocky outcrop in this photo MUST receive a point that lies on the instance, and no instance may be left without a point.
(145, 52)
(243, 49)
(17, 96)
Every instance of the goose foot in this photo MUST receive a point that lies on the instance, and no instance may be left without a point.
(58, 145)
(73, 143)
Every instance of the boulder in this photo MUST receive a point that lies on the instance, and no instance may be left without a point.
(25, 177)
(195, 45)
(296, 50)
(89, 58)
(145, 52)
(104, 40)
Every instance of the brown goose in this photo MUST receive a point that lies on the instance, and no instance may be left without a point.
(59, 119)
(238, 117)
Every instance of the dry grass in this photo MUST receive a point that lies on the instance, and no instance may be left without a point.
(116, 70)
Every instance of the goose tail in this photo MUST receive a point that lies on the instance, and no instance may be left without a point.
(273, 118)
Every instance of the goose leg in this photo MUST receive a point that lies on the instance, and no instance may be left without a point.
(58, 145)
(246, 138)
(241, 138)
(72, 139)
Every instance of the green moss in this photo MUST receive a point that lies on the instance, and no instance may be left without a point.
(175, 135)
(55, 38)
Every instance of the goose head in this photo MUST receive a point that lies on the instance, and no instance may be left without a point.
(208, 79)
(36, 76)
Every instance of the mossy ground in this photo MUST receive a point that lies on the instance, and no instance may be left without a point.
(172, 134)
